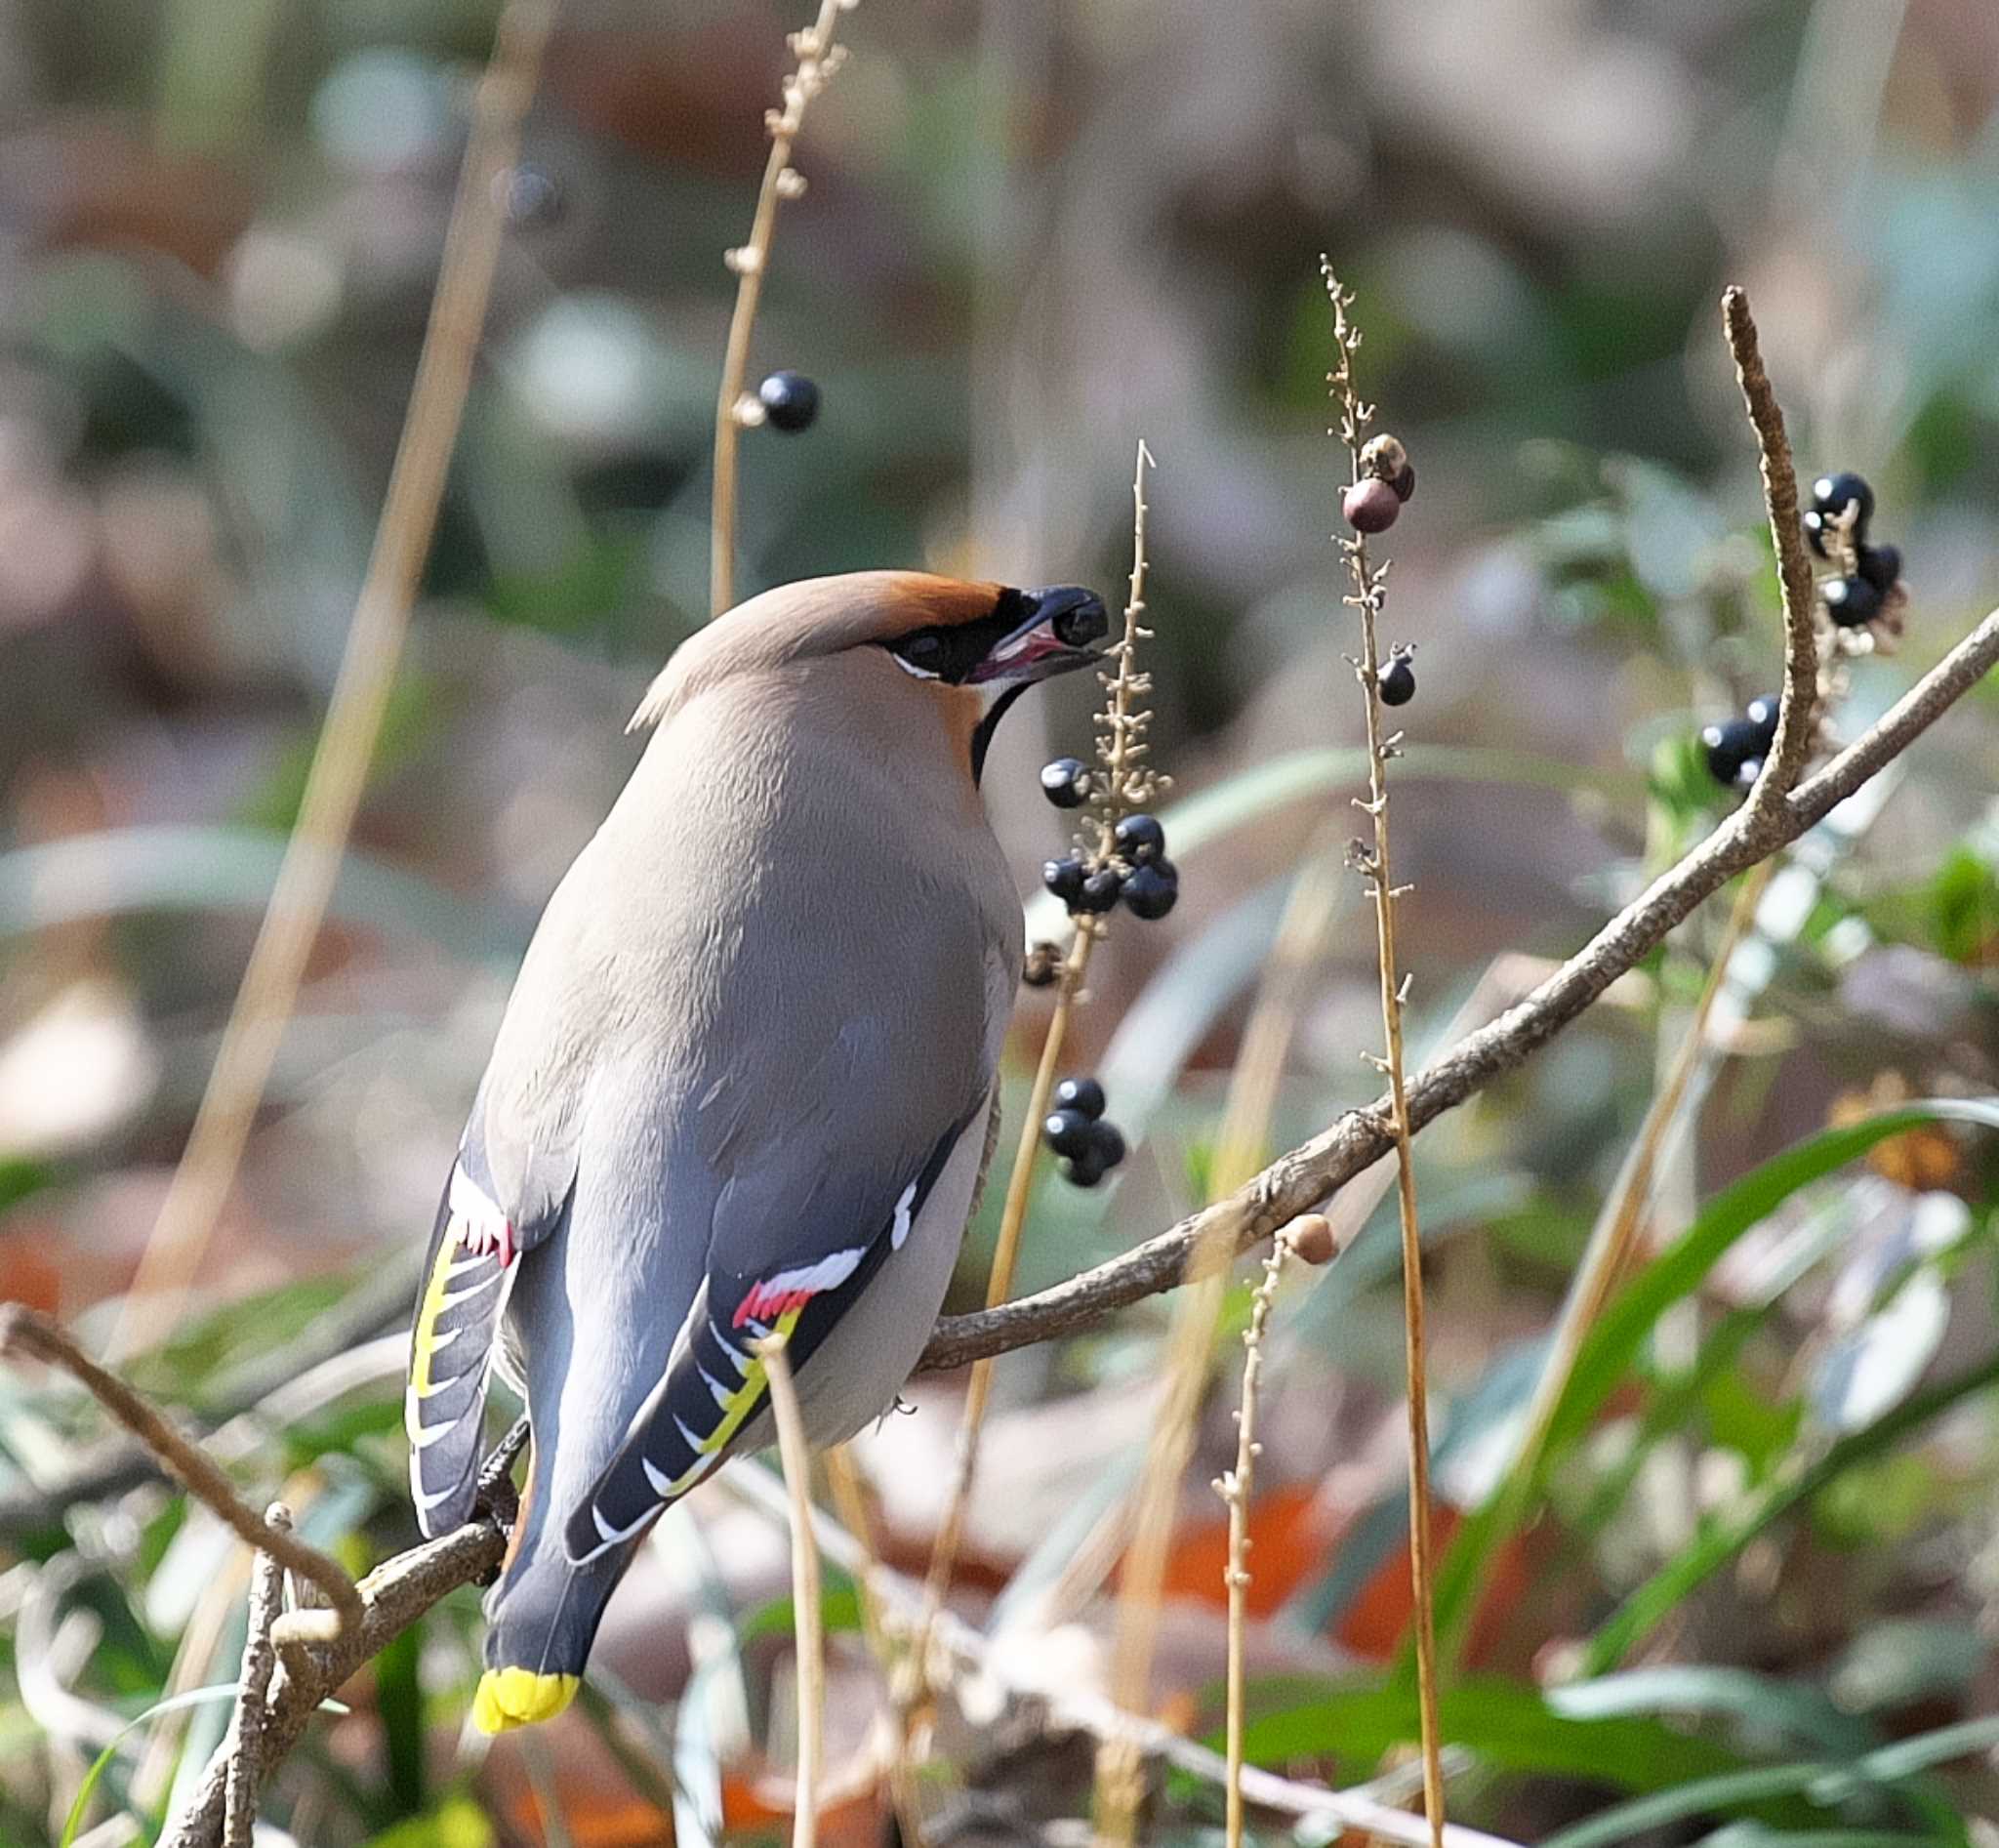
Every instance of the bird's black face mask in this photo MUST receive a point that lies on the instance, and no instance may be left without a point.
(1031, 636)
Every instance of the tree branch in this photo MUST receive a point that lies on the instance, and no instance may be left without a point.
(23, 1332)
(252, 1689)
(1797, 708)
(392, 1598)
(1297, 1183)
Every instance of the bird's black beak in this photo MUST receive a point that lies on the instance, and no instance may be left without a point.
(1059, 629)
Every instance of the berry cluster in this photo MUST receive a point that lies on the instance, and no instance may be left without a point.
(1735, 750)
(1836, 528)
(1075, 1130)
(1387, 479)
(1136, 870)
(789, 400)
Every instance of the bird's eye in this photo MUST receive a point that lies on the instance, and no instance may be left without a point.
(925, 652)
(1082, 625)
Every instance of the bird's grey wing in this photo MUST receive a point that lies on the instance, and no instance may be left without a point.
(714, 1383)
(509, 1193)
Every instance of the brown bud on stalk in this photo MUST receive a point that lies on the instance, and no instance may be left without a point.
(1385, 459)
(1043, 965)
(1310, 1236)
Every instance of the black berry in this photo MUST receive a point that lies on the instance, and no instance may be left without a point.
(1761, 714)
(1852, 601)
(1083, 1170)
(1730, 746)
(1814, 523)
(1099, 890)
(1880, 566)
(1152, 891)
(789, 400)
(1068, 1133)
(1831, 494)
(1140, 839)
(1398, 681)
(1082, 1094)
(1405, 483)
(1065, 878)
(1066, 782)
(1752, 768)
(1105, 1145)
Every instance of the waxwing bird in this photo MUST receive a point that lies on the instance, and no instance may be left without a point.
(745, 1084)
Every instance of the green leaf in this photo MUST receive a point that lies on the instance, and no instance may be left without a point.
(1761, 1703)
(456, 1823)
(1507, 1725)
(1681, 1269)
(399, 1697)
(174, 1703)
(1613, 1346)
(1816, 1781)
(1723, 1539)
(1701, 1796)
(840, 1609)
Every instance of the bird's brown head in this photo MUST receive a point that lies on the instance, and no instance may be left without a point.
(978, 646)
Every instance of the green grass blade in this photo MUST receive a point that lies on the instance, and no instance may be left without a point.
(1616, 1342)
(194, 1696)
(1640, 1612)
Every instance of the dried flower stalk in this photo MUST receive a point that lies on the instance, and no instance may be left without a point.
(795, 1456)
(1236, 1490)
(1370, 589)
(1125, 783)
(819, 60)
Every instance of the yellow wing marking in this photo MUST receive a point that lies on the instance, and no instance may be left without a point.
(744, 1400)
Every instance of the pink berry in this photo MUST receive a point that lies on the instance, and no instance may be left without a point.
(1370, 506)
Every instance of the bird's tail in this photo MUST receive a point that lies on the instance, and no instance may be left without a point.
(541, 1620)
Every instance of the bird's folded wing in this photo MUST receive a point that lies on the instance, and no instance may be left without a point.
(474, 1256)
(715, 1381)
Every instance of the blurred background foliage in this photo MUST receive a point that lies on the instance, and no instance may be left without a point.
(1033, 234)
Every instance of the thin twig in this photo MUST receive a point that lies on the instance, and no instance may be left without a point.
(394, 1596)
(339, 772)
(1236, 1490)
(1124, 785)
(1239, 1147)
(235, 1402)
(1298, 1182)
(24, 1331)
(1797, 706)
(253, 1691)
(819, 57)
(1369, 589)
(797, 1457)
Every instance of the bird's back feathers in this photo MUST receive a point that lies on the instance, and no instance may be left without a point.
(760, 1016)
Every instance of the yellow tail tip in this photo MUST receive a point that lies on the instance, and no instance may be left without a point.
(518, 1697)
